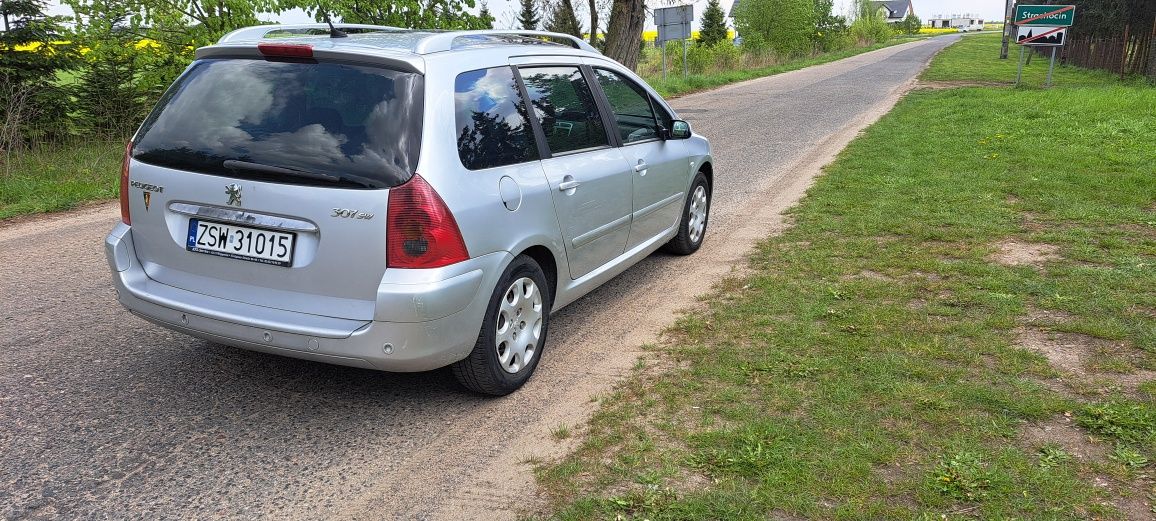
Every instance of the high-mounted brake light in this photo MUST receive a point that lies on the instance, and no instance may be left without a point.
(286, 50)
(420, 230)
(124, 213)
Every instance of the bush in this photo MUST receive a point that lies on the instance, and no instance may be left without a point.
(755, 43)
(787, 26)
(705, 59)
(911, 24)
(869, 26)
(836, 40)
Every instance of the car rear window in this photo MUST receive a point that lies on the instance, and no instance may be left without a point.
(327, 124)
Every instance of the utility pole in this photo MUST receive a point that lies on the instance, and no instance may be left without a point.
(1008, 27)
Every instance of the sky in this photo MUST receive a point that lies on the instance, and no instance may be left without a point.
(504, 10)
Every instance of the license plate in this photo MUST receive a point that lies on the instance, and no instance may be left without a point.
(241, 242)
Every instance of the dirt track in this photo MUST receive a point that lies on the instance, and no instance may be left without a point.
(105, 415)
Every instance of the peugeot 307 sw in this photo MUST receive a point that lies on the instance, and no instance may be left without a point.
(400, 200)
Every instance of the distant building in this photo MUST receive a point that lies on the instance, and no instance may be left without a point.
(966, 22)
(894, 11)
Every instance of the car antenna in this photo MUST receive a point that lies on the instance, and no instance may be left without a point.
(333, 31)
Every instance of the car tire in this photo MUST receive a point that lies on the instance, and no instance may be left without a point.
(695, 215)
(513, 332)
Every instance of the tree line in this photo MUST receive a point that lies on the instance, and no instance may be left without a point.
(97, 72)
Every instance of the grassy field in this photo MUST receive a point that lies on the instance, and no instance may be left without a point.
(960, 324)
(970, 61)
(676, 85)
(59, 178)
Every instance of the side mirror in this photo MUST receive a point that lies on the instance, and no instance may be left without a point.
(679, 129)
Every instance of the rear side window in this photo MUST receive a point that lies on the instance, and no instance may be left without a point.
(327, 124)
(564, 105)
(492, 128)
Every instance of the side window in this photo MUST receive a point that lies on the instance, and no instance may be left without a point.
(632, 110)
(493, 129)
(564, 105)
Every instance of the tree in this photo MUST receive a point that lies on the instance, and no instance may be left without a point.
(110, 100)
(32, 107)
(911, 24)
(786, 25)
(714, 25)
(528, 17)
(593, 4)
(487, 19)
(562, 19)
(167, 31)
(420, 14)
(625, 31)
(830, 30)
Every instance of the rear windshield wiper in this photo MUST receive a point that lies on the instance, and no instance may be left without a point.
(233, 164)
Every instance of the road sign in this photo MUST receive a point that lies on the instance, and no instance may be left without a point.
(1040, 35)
(673, 22)
(1047, 15)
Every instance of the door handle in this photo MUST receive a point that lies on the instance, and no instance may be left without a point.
(568, 185)
(641, 166)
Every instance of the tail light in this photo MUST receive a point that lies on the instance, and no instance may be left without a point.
(124, 213)
(420, 230)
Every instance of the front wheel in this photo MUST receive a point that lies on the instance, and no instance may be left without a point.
(695, 215)
(513, 332)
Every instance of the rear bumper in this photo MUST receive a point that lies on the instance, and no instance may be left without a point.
(424, 319)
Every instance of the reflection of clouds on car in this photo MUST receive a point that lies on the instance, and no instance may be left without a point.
(208, 113)
(489, 91)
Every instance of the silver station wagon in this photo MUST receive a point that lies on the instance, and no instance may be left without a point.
(400, 200)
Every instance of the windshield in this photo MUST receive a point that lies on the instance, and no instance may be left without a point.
(300, 122)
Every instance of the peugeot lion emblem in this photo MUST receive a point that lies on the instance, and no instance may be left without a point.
(234, 193)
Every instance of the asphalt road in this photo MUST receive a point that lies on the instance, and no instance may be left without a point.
(103, 415)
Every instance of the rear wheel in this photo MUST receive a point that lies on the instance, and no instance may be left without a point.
(513, 332)
(695, 215)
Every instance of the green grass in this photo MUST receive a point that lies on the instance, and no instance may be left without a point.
(59, 178)
(975, 59)
(675, 85)
(869, 368)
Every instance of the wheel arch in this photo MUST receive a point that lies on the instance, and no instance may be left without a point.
(545, 258)
(707, 169)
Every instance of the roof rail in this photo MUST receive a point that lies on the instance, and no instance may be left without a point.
(260, 31)
(438, 42)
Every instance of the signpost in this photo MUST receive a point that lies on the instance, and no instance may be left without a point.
(1041, 35)
(673, 24)
(1053, 15)
(1042, 25)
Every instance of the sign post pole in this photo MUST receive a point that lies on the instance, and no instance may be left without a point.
(1051, 66)
(663, 61)
(1020, 70)
(684, 68)
(1008, 27)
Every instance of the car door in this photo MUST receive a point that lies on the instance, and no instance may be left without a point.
(589, 179)
(659, 166)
